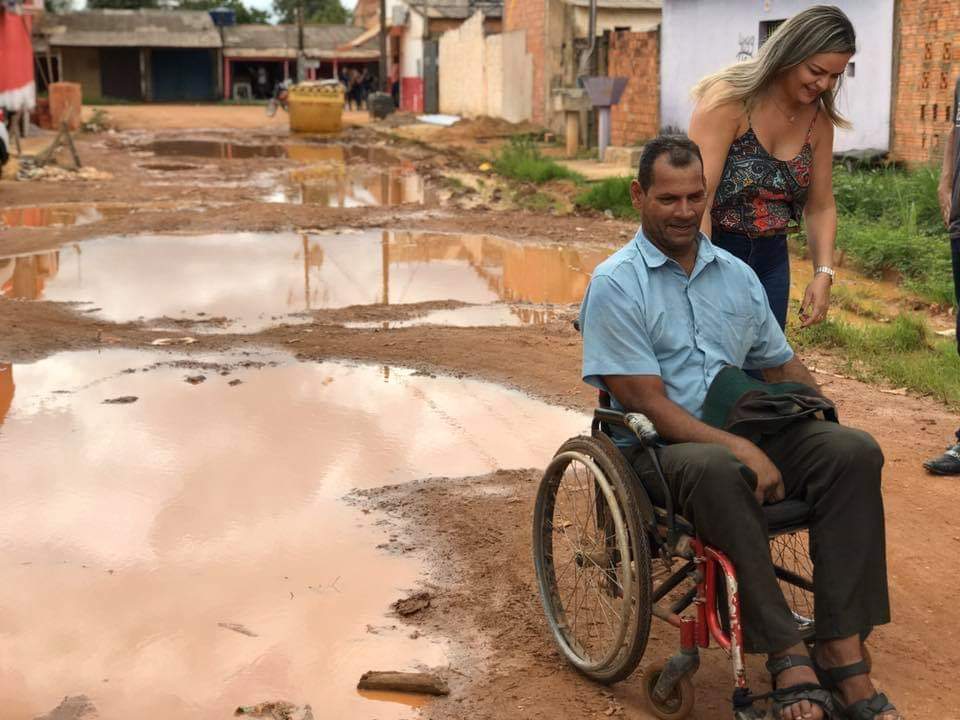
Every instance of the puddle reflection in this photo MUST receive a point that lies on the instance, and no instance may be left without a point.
(257, 279)
(131, 538)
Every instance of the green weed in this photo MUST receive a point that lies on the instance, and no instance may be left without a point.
(611, 194)
(522, 160)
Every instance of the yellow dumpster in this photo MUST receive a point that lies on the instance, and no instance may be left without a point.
(316, 106)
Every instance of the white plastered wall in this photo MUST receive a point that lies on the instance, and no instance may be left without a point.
(485, 75)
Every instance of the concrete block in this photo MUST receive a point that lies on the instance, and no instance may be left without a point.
(626, 156)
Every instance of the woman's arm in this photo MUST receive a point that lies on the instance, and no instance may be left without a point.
(713, 129)
(820, 216)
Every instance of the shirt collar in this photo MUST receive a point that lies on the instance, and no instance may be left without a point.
(654, 257)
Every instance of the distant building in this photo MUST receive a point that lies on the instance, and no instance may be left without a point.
(181, 55)
(134, 54)
(274, 48)
(415, 27)
(556, 32)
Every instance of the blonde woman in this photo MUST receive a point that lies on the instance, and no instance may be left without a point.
(765, 128)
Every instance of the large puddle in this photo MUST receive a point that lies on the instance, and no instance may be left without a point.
(255, 280)
(341, 176)
(190, 552)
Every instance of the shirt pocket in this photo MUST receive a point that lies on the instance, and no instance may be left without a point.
(730, 335)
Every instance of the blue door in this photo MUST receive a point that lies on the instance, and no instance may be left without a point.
(182, 74)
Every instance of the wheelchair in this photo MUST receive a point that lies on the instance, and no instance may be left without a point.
(596, 539)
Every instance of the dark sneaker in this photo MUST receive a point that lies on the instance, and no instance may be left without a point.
(946, 464)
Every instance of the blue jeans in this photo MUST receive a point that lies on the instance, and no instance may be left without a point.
(769, 259)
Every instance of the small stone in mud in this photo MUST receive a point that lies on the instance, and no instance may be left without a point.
(424, 683)
(236, 627)
(277, 710)
(414, 635)
(122, 400)
(72, 708)
(413, 604)
(196, 379)
(234, 383)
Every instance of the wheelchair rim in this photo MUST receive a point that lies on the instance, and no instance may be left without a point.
(553, 605)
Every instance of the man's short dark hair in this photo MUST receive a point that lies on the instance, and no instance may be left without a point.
(679, 149)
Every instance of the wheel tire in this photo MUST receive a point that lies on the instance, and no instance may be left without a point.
(681, 700)
(634, 641)
(790, 551)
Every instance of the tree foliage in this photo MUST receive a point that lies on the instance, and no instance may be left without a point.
(329, 12)
(245, 15)
(122, 4)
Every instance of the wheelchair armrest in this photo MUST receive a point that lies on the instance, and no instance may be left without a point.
(637, 423)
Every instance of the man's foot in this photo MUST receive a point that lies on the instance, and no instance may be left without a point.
(842, 668)
(797, 694)
(946, 464)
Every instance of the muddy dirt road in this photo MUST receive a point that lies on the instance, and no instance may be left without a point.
(254, 388)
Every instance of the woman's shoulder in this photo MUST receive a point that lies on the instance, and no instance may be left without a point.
(716, 103)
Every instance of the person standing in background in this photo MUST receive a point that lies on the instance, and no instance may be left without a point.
(949, 192)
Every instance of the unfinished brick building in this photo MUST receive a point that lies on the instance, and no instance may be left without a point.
(927, 61)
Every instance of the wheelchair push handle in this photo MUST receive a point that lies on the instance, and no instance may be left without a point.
(637, 423)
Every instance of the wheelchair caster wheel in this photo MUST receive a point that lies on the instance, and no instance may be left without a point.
(680, 702)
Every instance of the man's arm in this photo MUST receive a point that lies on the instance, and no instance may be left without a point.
(946, 175)
(791, 371)
(646, 394)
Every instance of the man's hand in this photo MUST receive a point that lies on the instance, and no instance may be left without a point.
(943, 193)
(769, 481)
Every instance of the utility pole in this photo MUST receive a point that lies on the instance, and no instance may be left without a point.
(301, 58)
(384, 82)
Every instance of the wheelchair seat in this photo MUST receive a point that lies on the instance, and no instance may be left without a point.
(787, 516)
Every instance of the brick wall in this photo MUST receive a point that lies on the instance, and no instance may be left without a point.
(367, 13)
(531, 16)
(635, 55)
(928, 47)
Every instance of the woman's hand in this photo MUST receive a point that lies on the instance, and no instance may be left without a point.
(816, 300)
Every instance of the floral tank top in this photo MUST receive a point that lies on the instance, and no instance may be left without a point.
(759, 194)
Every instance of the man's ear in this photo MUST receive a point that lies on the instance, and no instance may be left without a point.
(636, 194)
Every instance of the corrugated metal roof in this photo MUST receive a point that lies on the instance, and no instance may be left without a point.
(620, 4)
(319, 41)
(131, 28)
(456, 9)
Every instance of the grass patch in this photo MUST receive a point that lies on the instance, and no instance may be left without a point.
(537, 201)
(611, 194)
(855, 301)
(890, 219)
(903, 353)
(522, 160)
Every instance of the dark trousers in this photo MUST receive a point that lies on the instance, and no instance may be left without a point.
(770, 260)
(833, 468)
(955, 257)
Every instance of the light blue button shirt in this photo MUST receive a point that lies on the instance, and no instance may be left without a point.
(642, 315)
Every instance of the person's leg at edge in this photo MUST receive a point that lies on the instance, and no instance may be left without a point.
(837, 470)
(949, 462)
(714, 490)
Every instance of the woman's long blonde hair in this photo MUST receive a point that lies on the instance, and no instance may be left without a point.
(820, 29)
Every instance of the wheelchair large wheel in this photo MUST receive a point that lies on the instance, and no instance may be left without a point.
(592, 558)
(790, 554)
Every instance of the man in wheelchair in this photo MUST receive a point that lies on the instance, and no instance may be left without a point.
(661, 318)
